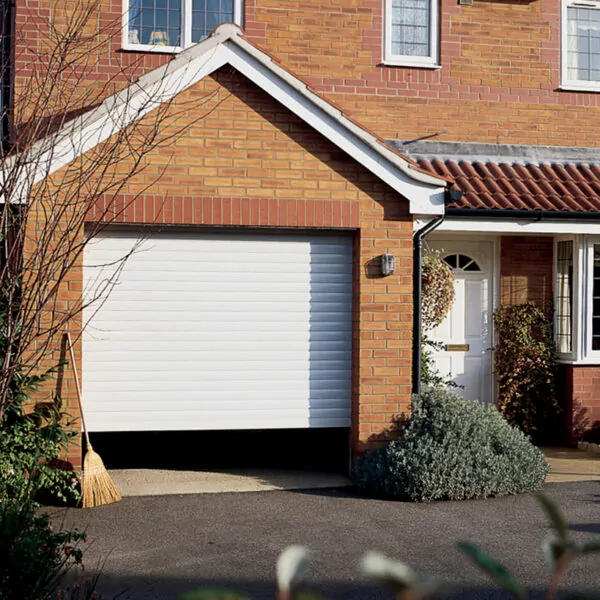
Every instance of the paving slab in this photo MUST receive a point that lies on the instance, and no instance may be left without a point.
(571, 465)
(162, 482)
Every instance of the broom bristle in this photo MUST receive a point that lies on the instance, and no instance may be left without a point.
(98, 487)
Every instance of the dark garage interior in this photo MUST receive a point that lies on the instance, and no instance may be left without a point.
(323, 450)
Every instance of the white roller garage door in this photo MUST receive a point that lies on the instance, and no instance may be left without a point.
(218, 331)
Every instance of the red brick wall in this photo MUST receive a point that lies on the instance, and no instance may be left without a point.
(272, 170)
(526, 270)
(499, 80)
(582, 385)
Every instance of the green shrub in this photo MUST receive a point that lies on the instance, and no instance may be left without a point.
(525, 367)
(34, 558)
(32, 442)
(452, 449)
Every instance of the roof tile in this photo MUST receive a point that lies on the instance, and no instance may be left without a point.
(570, 187)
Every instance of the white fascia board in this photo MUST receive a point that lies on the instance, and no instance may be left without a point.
(525, 227)
(424, 192)
(424, 198)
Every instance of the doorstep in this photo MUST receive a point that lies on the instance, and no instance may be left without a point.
(570, 464)
(160, 482)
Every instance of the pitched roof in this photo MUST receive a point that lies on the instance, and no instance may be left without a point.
(227, 45)
(552, 187)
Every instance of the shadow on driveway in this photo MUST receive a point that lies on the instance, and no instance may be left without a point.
(164, 545)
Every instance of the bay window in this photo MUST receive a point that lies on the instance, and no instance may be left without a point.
(411, 33)
(564, 296)
(581, 44)
(577, 299)
(594, 297)
(171, 25)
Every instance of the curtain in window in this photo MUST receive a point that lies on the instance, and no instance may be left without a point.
(155, 22)
(564, 296)
(411, 22)
(583, 44)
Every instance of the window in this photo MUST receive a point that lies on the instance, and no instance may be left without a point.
(595, 303)
(461, 262)
(581, 44)
(577, 299)
(411, 36)
(564, 297)
(170, 25)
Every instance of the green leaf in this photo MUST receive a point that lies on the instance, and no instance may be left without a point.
(212, 594)
(494, 570)
(554, 550)
(555, 517)
(592, 547)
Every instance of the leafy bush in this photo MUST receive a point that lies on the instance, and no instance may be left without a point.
(32, 442)
(526, 370)
(33, 557)
(438, 290)
(452, 449)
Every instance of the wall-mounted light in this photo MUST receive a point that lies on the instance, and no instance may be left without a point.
(387, 264)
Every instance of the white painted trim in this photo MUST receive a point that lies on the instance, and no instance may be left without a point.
(431, 61)
(526, 226)
(567, 84)
(226, 45)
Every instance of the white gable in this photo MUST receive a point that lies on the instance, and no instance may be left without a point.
(227, 46)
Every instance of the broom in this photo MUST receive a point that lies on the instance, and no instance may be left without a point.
(98, 487)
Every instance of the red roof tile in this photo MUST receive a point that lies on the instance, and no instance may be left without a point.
(571, 187)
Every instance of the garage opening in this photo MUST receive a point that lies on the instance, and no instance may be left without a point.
(322, 450)
(219, 350)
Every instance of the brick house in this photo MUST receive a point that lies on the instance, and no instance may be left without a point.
(340, 131)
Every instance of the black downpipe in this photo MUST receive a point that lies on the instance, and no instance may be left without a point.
(417, 290)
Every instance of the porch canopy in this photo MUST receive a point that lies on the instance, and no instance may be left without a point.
(511, 179)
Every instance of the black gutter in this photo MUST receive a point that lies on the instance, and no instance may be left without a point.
(513, 213)
(417, 290)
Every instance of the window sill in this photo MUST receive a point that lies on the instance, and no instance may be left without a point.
(410, 64)
(577, 87)
(582, 362)
(153, 49)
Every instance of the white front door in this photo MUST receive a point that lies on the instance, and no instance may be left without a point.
(466, 333)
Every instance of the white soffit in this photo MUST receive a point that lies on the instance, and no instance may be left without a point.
(227, 45)
(521, 226)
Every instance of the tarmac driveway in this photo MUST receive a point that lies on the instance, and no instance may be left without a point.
(161, 546)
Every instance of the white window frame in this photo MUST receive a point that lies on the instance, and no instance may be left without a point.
(427, 62)
(566, 83)
(583, 257)
(186, 28)
(588, 274)
(576, 309)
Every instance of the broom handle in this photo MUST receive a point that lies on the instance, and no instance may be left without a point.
(78, 387)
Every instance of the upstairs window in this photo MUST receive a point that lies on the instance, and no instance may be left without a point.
(171, 25)
(411, 33)
(581, 44)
